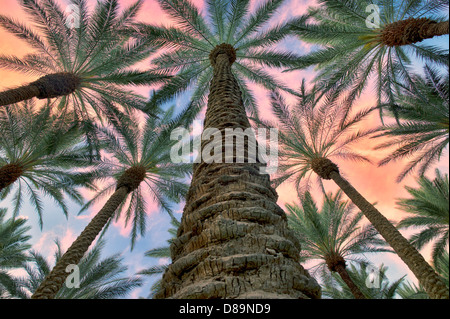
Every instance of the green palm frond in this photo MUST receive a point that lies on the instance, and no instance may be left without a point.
(99, 278)
(316, 126)
(94, 48)
(335, 288)
(148, 145)
(424, 134)
(334, 230)
(160, 252)
(428, 205)
(13, 247)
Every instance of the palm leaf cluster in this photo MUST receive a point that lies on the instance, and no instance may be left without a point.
(149, 147)
(334, 230)
(422, 135)
(314, 127)
(99, 278)
(428, 205)
(375, 285)
(93, 134)
(47, 150)
(92, 51)
(13, 247)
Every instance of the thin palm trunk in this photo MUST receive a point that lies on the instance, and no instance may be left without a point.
(48, 86)
(412, 30)
(9, 173)
(356, 292)
(427, 277)
(128, 182)
(233, 241)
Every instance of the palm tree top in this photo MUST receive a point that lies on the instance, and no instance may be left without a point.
(428, 212)
(44, 152)
(84, 61)
(13, 247)
(314, 128)
(335, 288)
(188, 44)
(100, 278)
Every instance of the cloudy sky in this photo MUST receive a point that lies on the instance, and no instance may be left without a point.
(377, 184)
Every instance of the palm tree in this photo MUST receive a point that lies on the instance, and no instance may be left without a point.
(309, 134)
(335, 288)
(423, 135)
(189, 44)
(356, 48)
(442, 267)
(430, 212)
(142, 157)
(233, 241)
(99, 278)
(84, 64)
(13, 247)
(160, 252)
(333, 235)
(39, 153)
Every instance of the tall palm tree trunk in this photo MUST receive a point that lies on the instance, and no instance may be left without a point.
(129, 181)
(48, 86)
(412, 30)
(233, 241)
(9, 173)
(427, 277)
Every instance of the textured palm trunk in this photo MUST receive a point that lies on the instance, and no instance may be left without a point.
(129, 181)
(426, 275)
(48, 86)
(412, 30)
(233, 241)
(9, 173)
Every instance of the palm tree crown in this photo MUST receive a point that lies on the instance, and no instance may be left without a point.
(87, 64)
(40, 153)
(99, 278)
(429, 206)
(313, 129)
(354, 49)
(380, 288)
(423, 134)
(147, 147)
(189, 44)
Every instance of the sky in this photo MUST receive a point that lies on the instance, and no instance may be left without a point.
(377, 184)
